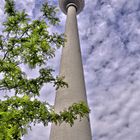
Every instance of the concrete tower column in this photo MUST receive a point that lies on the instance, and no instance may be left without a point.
(71, 68)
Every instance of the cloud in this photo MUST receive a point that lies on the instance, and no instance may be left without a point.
(39, 132)
(110, 37)
(110, 47)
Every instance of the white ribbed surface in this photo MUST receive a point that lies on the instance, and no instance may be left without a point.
(79, 3)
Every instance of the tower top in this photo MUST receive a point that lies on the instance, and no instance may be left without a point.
(64, 4)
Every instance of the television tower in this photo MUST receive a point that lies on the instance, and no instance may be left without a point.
(72, 69)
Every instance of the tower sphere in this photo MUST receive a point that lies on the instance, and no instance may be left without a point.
(64, 4)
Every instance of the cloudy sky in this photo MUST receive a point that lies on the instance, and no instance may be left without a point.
(110, 43)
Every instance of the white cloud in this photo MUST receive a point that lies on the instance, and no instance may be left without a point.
(110, 37)
(111, 65)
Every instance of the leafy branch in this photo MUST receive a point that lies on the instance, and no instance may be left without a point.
(28, 42)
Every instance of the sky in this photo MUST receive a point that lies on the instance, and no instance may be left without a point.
(110, 43)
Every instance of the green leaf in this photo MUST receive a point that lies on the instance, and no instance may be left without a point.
(27, 42)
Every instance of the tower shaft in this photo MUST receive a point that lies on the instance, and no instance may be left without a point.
(71, 68)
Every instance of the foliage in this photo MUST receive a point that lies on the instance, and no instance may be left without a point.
(28, 42)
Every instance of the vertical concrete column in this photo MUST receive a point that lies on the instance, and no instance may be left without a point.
(71, 68)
